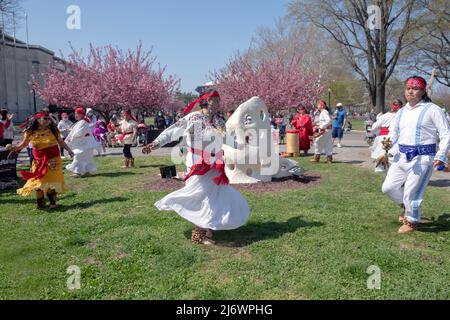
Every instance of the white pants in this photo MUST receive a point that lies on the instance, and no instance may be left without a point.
(324, 144)
(406, 183)
(82, 163)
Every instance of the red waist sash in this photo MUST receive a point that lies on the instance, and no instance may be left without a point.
(41, 157)
(124, 135)
(384, 131)
(203, 166)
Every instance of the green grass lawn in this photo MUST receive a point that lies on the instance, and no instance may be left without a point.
(358, 124)
(311, 243)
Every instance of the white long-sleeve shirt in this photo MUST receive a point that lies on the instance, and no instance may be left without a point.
(324, 119)
(383, 121)
(424, 124)
(64, 127)
(201, 133)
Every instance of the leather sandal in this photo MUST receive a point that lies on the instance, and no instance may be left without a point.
(407, 227)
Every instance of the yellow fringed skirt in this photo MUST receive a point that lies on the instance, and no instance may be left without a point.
(53, 179)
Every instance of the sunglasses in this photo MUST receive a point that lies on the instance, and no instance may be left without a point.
(45, 118)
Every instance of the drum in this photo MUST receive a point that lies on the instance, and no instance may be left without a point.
(293, 142)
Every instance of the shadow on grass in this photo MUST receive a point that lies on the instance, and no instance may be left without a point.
(88, 204)
(31, 199)
(351, 161)
(255, 232)
(442, 224)
(151, 166)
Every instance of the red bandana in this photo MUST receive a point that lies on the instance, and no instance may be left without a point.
(199, 100)
(396, 107)
(418, 82)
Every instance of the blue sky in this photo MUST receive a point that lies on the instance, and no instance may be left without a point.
(191, 37)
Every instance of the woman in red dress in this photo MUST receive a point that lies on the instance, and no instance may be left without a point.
(303, 123)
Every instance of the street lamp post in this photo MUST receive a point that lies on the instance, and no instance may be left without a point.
(329, 97)
(34, 100)
(35, 70)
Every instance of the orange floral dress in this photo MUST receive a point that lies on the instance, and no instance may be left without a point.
(53, 179)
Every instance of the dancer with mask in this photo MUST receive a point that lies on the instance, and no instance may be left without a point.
(207, 200)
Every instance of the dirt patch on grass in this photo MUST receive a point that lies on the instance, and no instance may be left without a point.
(310, 179)
(416, 245)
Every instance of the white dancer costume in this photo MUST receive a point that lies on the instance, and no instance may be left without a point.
(82, 142)
(92, 124)
(206, 200)
(416, 130)
(64, 126)
(324, 143)
(381, 129)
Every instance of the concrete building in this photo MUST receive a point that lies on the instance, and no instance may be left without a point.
(18, 62)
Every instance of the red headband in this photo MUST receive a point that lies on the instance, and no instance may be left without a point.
(199, 100)
(322, 103)
(30, 120)
(80, 111)
(128, 113)
(64, 115)
(417, 82)
(396, 106)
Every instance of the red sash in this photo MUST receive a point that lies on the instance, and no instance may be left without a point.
(204, 166)
(124, 135)
(41, 157)
(384, 131)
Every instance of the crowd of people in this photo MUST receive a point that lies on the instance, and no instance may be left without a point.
(417, 135)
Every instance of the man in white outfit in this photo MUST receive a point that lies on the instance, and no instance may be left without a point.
(381, 129)
(81, 140)
(416, 128)
(323, 142)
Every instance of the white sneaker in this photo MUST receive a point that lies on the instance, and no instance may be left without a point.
(339, 145)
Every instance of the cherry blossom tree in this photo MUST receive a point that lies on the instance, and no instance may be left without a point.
(282, 83)
(107, 80)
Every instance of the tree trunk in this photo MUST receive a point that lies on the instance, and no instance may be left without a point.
(381, 98)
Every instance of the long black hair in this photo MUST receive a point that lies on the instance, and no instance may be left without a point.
(3, 114)
(35, 125)
(425, 97)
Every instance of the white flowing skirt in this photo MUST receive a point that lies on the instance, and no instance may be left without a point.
(208, 205)
(83, 163)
